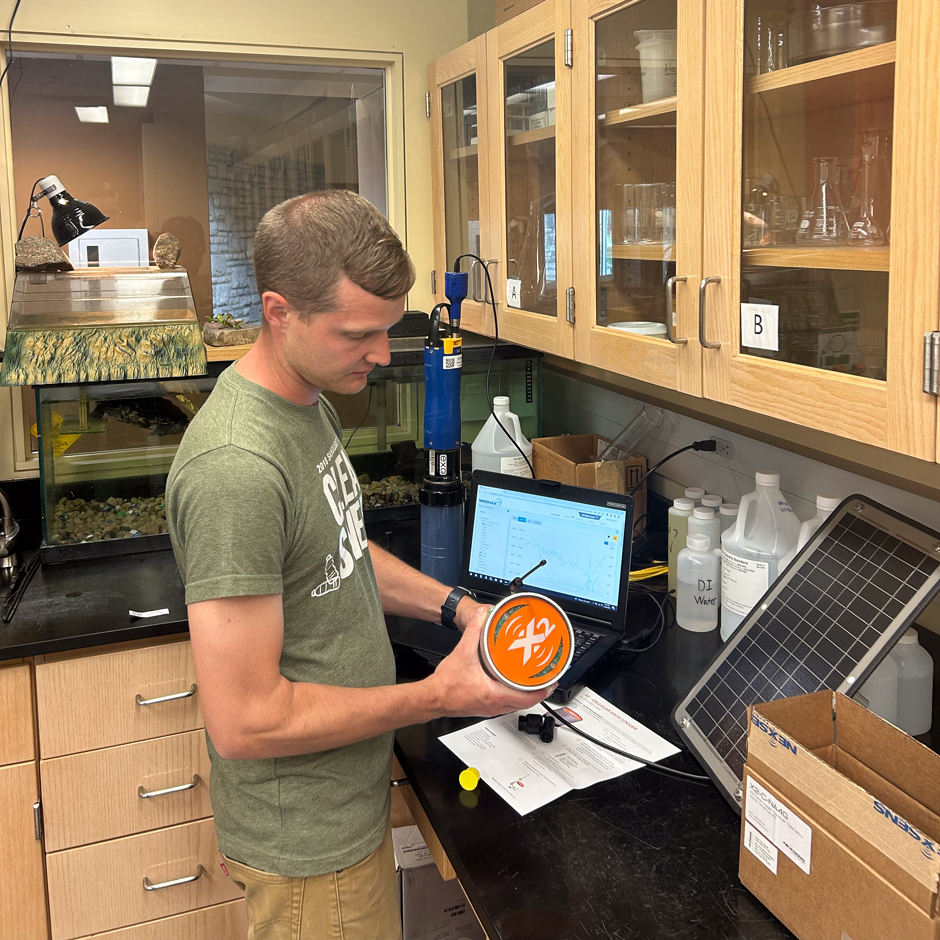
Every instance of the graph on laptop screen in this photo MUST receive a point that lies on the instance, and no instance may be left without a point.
(582, 545)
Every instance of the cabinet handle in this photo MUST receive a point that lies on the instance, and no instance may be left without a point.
(701, 312)
(400, 782)
(669, 333)
(475, 278)
(488, 296)
(150, 886)
(140, 700)
(148, 794)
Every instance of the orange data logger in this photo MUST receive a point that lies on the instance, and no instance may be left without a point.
(527, 642)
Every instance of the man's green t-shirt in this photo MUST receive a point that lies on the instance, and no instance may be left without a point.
(262, 499)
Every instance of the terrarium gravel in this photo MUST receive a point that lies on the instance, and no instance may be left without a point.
(88, 520)
(392, 491)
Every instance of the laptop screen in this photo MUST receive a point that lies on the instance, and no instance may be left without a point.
(585, 544)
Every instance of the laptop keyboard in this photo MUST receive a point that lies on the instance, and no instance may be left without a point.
(583, 641)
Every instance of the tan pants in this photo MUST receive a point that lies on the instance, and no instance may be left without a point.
(357, 903)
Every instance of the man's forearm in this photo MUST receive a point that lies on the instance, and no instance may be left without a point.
(405, 590)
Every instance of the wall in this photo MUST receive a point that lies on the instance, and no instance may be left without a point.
(408, 34)
(571, 405)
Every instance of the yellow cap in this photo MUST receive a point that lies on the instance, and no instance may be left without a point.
(469, 778)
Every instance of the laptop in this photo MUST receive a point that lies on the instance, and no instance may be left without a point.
(585, 538)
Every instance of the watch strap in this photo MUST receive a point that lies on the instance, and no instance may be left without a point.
(449, 607)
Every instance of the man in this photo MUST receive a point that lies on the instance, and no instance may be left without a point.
(285, 596)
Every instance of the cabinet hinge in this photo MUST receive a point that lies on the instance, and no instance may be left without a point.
(434, 282)
(569, 48)
(37, 821)
(932, 363)
(427, 104)
(569, 304)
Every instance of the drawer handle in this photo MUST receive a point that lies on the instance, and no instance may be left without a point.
(149, 794)
(140, 700)
(150, 886)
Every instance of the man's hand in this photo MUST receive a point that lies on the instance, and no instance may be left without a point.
(467, 611)
(463, 689)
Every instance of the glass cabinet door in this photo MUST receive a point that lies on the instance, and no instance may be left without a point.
(457, 85)
(810, 315)
(638, 102)
(532, 94)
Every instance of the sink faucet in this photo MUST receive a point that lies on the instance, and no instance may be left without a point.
(9, 529)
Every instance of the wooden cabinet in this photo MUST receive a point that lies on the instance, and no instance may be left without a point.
(741, 202)
(22, 879)
(129, 837)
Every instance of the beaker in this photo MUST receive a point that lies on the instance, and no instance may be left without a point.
(645, 212)
(824, 221)
(627, 214)
(626, 442)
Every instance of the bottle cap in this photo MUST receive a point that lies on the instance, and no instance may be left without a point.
(728, 509)
(909, 637)
(762, 478)
(694, 492)
(712, 501)
(686, 505)
(703, 512)
(469, 778)
(827, 502)
(501, 401)
(699, 542)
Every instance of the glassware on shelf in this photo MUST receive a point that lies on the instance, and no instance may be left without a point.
(823, 29)
(626, 233)
(824, 222)
(768, 42)
(759, 194)
(669, 214)
(871, 201)
(646, 197)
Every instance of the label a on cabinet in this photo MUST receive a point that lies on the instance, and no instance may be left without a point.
(759, 326)
(514, 292)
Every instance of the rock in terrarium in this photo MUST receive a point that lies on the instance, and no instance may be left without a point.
(91, 520)
(392, 491)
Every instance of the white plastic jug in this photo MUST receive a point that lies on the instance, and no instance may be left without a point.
(493, 450)
(825, 506)
(764, 532)
(915, 684)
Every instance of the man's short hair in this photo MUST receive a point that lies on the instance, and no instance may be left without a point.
(305, 245)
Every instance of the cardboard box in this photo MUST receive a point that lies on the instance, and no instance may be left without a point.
(573, 459)
(840, 831)
(431, 908)
(507, 9)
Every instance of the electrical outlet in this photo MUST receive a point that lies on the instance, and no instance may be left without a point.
(725, 449)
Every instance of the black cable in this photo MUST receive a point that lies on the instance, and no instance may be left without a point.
(653, 765)
(709, 446)
(18, 587)
(26, 218)
(489, 367)
(10, 41)
(359, 425)
(659, 628)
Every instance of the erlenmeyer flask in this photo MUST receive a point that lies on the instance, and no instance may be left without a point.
(825, 223)
(865, 231)
(870, 212)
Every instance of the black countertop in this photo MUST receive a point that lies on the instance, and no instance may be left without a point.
(643, 856)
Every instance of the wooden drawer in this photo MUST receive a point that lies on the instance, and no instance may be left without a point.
(17, 741)
(100, 887)
(94, 796)
(222, 922)
(91, 701)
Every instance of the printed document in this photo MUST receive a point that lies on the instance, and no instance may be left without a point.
(528, 773)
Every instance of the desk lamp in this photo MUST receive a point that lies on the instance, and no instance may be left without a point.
(71, 217)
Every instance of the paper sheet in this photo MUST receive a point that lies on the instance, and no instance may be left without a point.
(528, 774)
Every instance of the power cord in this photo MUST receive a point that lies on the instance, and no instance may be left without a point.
(489, 367)
(708, 446)
(3, 75)
(653, 765)
(359, 425)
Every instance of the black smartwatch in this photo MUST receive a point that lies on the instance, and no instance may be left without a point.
(449, 610)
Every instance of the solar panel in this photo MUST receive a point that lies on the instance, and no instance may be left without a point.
(826, 623)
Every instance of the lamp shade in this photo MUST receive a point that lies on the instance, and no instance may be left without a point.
(72, 217)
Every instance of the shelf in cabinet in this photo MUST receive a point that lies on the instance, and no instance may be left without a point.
(843, 259)
(531, 137)
(462, 153)
(641, 114)
(654, 252)
(862, 75)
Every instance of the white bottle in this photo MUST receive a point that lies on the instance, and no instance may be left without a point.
(679, 513)
(705, 522)
(695, 493)
(765, 530)
(825, 505)
(727, 514)
(915, 684)
(697, 588)
(881, 690)
(711, 501)
(493, 450)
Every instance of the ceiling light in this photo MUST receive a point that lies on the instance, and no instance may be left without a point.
(131, 96)
(127, 71)
(92, 115)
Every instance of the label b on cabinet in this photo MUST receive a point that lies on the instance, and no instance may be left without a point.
(514, 292)
(759, 326)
